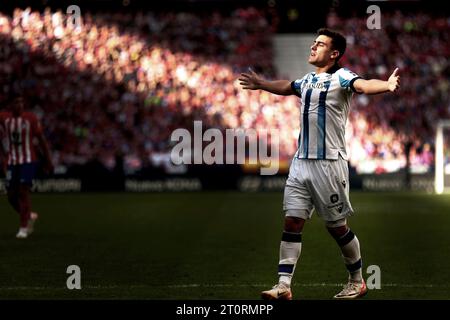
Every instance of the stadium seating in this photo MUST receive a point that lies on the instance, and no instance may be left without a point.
(121, 82)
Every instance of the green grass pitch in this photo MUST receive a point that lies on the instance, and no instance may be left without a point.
(217, 245)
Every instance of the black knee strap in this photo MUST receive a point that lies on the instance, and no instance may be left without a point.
(291, 237)
(285, 268)
(355, 266)
(345, 239)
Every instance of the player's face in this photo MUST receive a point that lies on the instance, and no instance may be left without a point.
(321, 51)
(17, 106)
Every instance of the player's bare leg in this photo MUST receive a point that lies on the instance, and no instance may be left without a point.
(13, 199)
(33, 217)
(25, 211)
(290, 248)
(349, 244)
(24, 205)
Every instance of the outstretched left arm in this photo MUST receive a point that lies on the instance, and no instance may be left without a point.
(375, 86)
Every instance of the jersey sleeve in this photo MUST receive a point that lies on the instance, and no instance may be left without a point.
(347, 78)
(296, 86)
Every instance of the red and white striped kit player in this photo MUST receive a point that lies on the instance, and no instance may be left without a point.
(19, 133)
(18, 157)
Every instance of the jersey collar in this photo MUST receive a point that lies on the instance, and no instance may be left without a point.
(333, 69)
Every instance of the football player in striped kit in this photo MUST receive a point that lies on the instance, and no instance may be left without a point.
(318, 176)
(20, 130)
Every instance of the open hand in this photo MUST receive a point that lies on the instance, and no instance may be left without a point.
(250, 81)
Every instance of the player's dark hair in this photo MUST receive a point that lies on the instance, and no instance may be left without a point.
(338, 41)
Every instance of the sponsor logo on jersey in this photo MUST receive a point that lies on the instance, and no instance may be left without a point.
(317, 85)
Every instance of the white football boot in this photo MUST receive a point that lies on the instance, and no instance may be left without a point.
(280, 291)
(352, 290)
(22, 234)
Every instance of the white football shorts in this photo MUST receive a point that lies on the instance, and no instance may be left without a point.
(322, 185)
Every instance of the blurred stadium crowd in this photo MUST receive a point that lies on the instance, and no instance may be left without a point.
(120, 83)
(383, 126)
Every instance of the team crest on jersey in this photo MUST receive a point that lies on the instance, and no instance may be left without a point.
(334, 198)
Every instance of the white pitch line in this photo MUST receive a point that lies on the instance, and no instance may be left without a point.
(217, 285)
(399, 285)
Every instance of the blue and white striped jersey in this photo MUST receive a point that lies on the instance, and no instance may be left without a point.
(325, 103)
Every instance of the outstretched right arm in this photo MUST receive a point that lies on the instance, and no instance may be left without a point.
(252, 81)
